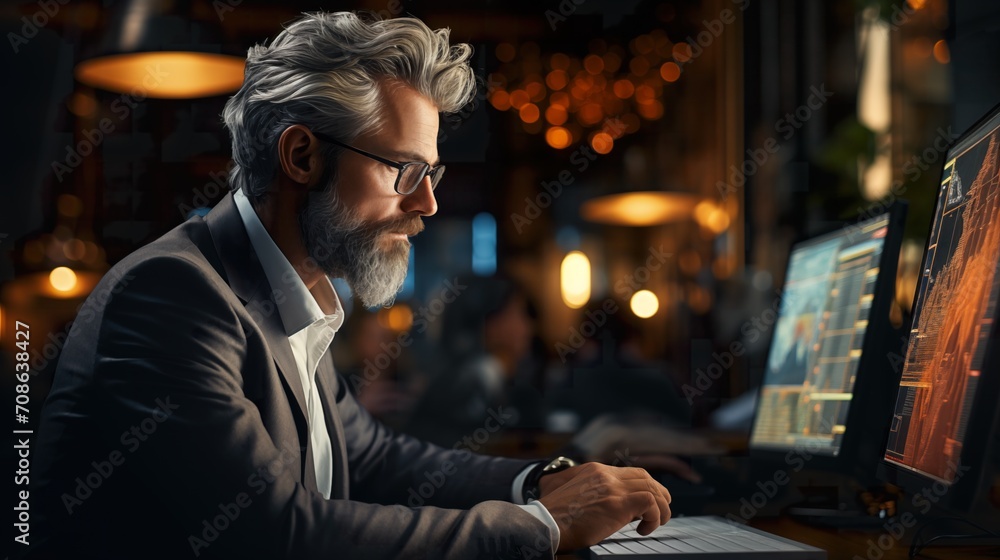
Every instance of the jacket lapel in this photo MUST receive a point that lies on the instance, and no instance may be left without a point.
(246, 277)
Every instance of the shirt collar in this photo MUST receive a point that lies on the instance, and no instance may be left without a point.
(298, 306)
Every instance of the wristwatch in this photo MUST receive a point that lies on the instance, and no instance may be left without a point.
(531, 490)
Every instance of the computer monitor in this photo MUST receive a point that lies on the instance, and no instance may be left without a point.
(945, 415)
(829, 382)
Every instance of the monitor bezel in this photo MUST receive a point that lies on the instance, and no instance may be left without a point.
(984, 416)
(877, 343)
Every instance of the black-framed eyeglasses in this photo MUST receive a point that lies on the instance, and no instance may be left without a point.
(410, 173)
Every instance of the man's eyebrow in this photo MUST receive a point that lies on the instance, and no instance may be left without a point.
(413, 156)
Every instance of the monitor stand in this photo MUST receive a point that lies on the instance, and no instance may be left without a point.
(840, 506)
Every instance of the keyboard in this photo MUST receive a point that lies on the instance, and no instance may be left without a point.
(702, 538)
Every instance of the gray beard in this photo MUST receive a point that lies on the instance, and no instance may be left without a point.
(345, 246)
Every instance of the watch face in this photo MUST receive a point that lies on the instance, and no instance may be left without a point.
(559, 464)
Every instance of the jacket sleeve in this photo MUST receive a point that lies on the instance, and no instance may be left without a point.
(169, 356)
(390, 467)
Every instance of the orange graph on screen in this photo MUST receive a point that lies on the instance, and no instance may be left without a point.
(947, 343)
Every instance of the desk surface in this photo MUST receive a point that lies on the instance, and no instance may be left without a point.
(848, 544)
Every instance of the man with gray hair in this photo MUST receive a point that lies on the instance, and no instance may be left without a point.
(198, 412)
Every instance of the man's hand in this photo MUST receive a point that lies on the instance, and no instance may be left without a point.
(591, 501)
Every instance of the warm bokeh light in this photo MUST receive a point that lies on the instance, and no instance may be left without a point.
(590, 114)
(941, 52)
(643, 208)
(398, 318)
(689, 262)
(711, 216)
(644, 304)
(574, 279)
(82, 104)
(682, 52)
(536, 91)
(593, 64)
(63, 279)
(602, 142)
(518, 98)
(644, 94)
(643, 44)
(556, 79)
(639, 66)
(529, 113)
(556, 115)
(69, 205)
(651, 110)
(631, 121)
(699, 299)
(164, 75)
(558, 137)
(506, 52)
(560, 98)
(559, 61)
(74, 249)
(500, 100)
(624, 89)
(670, 71)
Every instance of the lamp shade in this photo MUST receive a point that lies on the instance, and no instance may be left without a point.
(154, 48)
(641, 208)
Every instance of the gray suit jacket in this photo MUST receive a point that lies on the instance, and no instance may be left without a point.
(175, 428)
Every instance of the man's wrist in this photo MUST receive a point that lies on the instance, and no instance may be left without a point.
(531, 489)
(517, 488)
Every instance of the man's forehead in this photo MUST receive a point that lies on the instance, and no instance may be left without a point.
(410, 124)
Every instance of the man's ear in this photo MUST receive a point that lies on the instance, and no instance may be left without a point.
(300, 155)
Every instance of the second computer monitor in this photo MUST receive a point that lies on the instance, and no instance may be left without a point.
(944, 429)
(827, 384)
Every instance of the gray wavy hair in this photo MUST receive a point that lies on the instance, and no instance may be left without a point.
(327, 71)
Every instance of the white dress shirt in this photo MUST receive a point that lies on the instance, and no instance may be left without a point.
(311, 319)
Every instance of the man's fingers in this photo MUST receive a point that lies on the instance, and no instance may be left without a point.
(661, 494)
(644, 505)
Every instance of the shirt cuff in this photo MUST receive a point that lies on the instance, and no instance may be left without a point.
(534, 507)
(517, 489)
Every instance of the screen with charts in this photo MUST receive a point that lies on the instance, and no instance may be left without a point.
(954, 311)
(814, 355)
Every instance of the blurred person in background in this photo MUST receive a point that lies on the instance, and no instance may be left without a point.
(372, 360)
(486, 338)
